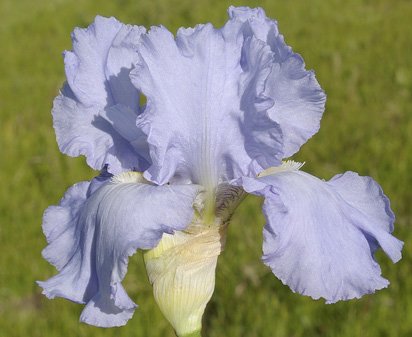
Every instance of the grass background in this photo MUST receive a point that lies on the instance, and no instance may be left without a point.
(361, 52)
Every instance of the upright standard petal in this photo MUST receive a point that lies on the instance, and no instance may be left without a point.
(320, 237)
(198, 127)
(95, 233)
(84, 116)
(298, 100)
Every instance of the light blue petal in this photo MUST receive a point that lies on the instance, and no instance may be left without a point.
(79, 131)
(97, 69)
(91, 238)
(59, 225)
(123, 121)
(261, 135)
(320, 237)
(298, 99)
(200, 119)
(97, 73)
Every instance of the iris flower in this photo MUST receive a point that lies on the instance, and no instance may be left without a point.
(225, 109)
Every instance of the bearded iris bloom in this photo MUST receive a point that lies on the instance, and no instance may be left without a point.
(225, 109)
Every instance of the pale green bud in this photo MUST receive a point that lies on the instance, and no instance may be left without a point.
(182, 267)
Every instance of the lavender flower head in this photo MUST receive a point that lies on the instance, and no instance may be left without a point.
(225, 108)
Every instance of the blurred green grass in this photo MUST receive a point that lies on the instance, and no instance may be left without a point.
(360, 51)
